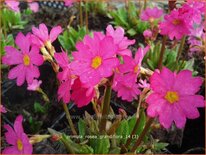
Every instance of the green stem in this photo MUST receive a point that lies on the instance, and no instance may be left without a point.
(69, 119)
(142, 135)
(133, 131)
(162, 52)
(182, 43)
(44, 95)
(68, 146)
(106, 105)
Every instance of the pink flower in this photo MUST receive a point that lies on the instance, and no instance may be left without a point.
(13, 5)
(65, 77)
(132, 66)
(175, 25)
(95, 59)
(143, 84)
(120, 40)
(34, 6)
(68, 2)
(192, 11)
(41, 36)
(17, 138)
(147, 33)
(2, 109)
(150, 14)
(173, 97)
(26, 60)
(81, 95)
(34, 85)
(126, 87)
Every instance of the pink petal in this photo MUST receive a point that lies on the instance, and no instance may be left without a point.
(154, 109)
(19, 73)
(64, 91)
(178, 116)
(35, 57)
(22, 42)
(166, 116)
(55, 31)
(44, 32)
(168, 77)
(10, 135)
(90, 77)
(34, 6)
(106, 71)
(186, 84)
(107, 47)
(31, 73)
(11, 150)
(12, 57)
(18, 125)
(27, 149)
(157, 83)
(62, 59)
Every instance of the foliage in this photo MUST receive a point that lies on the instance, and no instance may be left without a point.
(11, 20)
(70, 37)
(6, 41)
(169, 60)
(128, 19)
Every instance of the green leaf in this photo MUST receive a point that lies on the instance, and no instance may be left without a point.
(38, 108)
(100, 145)
(131, 32)
(123, 130)
(82, 128)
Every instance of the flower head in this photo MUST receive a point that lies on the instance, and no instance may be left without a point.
(151, 14)
(132, 66)
(42, 37)
(68, 2)
(175, 25)
(34, 6)
(26, 60)
(120, 40)
(81, 94)
(65, 77)
(2, 109)
(17, 138)
(126, 87)
(13, 5)
(173, 97)
(34, 85)
(94, 59)
(147, 33)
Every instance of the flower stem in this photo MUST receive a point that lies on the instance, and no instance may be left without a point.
(133, 132)
(162, 52)
(106, 105)
(80, 13)
(142, 135)
(182, 43)
(69, 119)
(86, 18)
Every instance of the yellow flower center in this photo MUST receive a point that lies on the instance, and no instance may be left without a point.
(96, 62)
(136, 69)
(26, 60)
(19, 145)
(176, 22)
(172, 97)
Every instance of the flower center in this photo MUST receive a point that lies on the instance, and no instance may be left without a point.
(136, 69)
(172, 97)
(19, 145)
(151, 19)
(26, 60)
(96, 62)
(176, 22)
